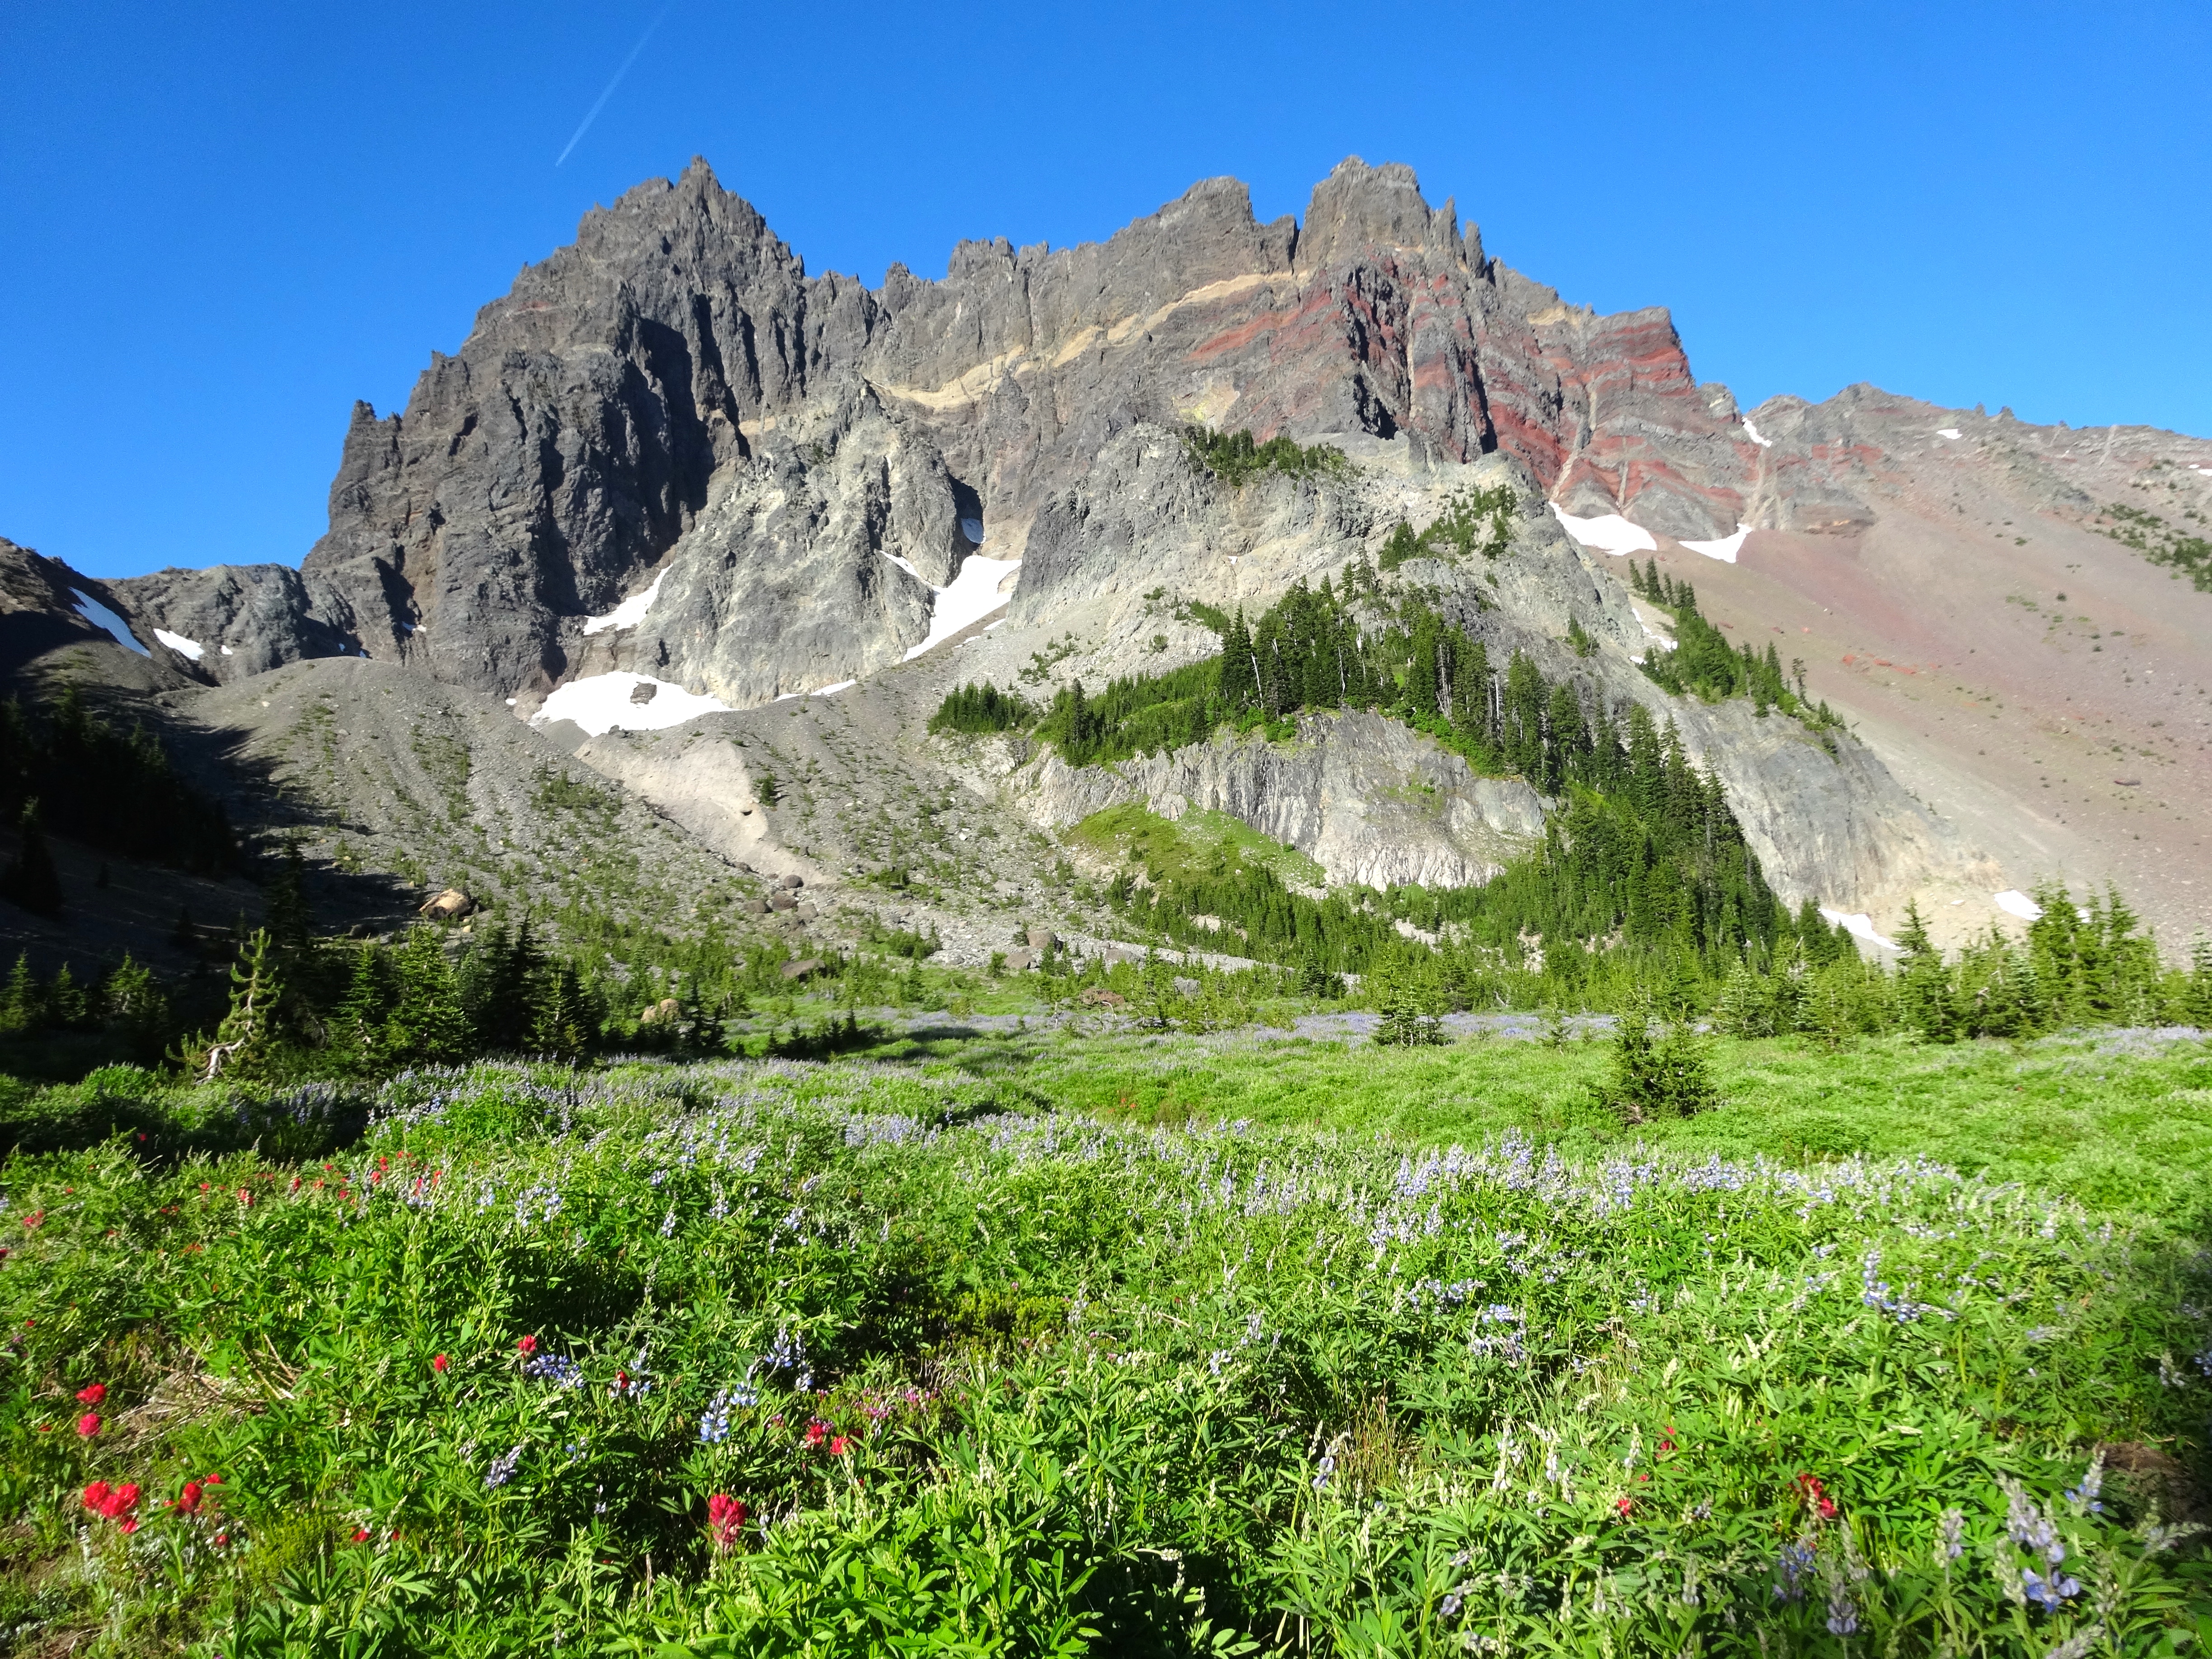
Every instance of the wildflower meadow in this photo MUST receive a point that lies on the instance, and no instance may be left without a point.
(860, 1357)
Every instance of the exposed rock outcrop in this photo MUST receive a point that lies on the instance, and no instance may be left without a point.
(229, 621)
(1369, 800)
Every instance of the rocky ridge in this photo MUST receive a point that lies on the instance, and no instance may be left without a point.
(669, 452)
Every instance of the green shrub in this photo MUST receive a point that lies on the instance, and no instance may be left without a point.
(1235, 459)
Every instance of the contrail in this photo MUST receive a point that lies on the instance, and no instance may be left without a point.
(594, 113)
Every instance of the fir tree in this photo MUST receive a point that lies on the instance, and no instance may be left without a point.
(1661, 1076)
(559, 1021)
(291, 930)
(67, 1006)
(2196, 999)
(1924, 987)
(243, 1044)
(23, 1006)
(427, 1025)
(30, 878)
(1240, 666)
(132, 1001)
(1409, 1003)
(1745, 1009)
(357, 1024)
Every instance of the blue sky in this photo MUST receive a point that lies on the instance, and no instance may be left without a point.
(219, 225)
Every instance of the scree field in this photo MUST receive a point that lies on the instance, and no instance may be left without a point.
(1034, 1342)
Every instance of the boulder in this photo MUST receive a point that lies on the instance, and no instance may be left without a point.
(1017, 961)
(802, 970)
(782, 901)
(658, 1013)
(1043, 939)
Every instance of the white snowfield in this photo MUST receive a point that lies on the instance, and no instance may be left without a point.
(100, 617)
(2013, 902)
(1752, 433)
(1609, 533)
(1725, 549)
(629, 613)
(600, 703)
(1950, 431)
(1859, 926)
(973, 596)
(180, 645)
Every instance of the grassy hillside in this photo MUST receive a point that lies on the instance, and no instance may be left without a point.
(1038, 1342)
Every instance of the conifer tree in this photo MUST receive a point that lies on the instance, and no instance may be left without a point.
(30, 878)
(1924, 987)
(1746, 1008)
(243, 1044)
(291, 930)
(67, 1006)
(427, 1025)
(23, 1006)
(357, 1025)
(1240, 666)
(559, 1021)
(1656, 1076)
(133, 1001)
(2197, 999)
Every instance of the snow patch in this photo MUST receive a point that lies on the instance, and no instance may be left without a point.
(973, 596)
(832, 690)
(228, 652)
(1609, 533)
(180, 645)
(1950, 431)
(1859, 926)
(2013, 902)
(1752, 433)
(629, 614)
(100, 617)
(1725, 549)
(599, 702)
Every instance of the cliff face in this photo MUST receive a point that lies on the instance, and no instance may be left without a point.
(1364, 798)
(674, 383)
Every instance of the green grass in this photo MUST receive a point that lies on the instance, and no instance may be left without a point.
(2129, 1132)
(1184, 848)
(1118, 1345)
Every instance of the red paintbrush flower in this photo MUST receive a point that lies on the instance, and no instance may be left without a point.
(725, 1519)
